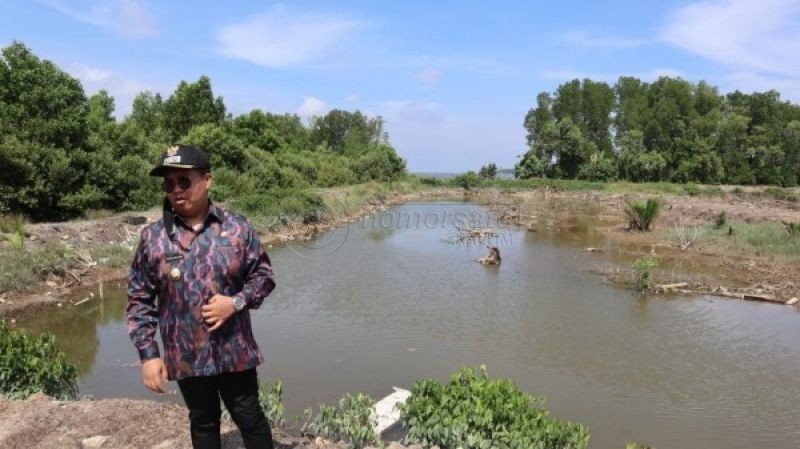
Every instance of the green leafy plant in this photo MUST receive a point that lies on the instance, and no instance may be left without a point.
(643, 272)
(33, 364)
(720, 220)
(793, 229)
(468, 180)
(692, 189)
(12, 230)
(353, 421)
(271, 401)
(641, 215)
(473, 411)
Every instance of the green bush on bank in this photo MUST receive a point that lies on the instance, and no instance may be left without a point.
(64, 153)
(33, 364)
(475, 412)
(352, 421)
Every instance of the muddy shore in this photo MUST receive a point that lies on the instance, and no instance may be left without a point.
(41, 422)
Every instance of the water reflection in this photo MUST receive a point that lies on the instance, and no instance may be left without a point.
(391, 306)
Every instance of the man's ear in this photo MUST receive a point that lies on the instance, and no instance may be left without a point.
(209, 180)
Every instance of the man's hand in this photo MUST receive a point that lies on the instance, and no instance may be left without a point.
(217, 311)
(154, 374)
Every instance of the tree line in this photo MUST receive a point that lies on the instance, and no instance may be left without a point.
(667, 130)
(62, 153)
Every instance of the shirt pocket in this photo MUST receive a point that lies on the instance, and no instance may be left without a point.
(228, 258)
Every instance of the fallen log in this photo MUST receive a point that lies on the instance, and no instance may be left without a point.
(757, 297)
(665, 287)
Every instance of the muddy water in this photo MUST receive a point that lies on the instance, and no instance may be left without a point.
(386, 301)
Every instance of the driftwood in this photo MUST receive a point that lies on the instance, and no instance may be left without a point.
(493, 258)
(671, 287)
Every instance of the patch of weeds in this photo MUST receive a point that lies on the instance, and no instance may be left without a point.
(720, 220)
(352, 421)
(112, 255)
(32, 364)
(692, 189)
(22, 269)
(793, 229)
(643, 272)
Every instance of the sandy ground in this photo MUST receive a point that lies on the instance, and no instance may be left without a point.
(40, 422)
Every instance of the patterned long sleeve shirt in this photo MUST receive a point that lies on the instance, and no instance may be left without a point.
(175, 273)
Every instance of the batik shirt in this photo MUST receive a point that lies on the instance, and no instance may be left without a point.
(174, 274)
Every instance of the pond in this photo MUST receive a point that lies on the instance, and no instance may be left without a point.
(391, 299)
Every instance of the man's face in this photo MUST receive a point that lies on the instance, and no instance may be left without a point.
(187, 190)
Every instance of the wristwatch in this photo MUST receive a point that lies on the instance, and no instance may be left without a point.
(238, 303)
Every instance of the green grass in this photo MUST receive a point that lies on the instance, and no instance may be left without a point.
(112, 255)
(24, 268)
(12, 223)
(282, 207)
(762, 239)
(653, 188)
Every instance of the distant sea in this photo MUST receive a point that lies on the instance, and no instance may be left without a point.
(501, 174)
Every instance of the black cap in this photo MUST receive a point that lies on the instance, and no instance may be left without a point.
(181, 156)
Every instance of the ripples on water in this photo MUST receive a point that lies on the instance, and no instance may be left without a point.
(395, 303)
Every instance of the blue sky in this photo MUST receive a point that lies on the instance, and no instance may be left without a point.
(453, 79)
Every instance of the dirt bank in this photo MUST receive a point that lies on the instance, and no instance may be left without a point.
(688, 248)
(40, 422)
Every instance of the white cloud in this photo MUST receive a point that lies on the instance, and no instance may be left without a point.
(123, 88)
(585, 39)
(352, 98)
(281, 37)
(129, 18)
(749, 82)
(428, 75)
(312, 106)
(412, 111)
(751, 35)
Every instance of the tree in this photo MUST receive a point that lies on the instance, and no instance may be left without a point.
(191, 105)
(488, 171)
(147, 111)
(538, 118)
(636, 163)
(39, 102)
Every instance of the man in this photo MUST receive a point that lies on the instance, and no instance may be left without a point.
(207, 268)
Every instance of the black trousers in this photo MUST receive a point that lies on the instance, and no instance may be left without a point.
(239, 392)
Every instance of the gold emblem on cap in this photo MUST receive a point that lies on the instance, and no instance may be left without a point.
(175, 274)
(173, 150)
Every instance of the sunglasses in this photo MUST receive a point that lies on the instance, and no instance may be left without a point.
(184, 182)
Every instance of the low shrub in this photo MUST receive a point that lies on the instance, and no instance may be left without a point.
(720, 220)
(641, 215)
(475, 412)
(353, 421)
(33, 364)
(643, 272)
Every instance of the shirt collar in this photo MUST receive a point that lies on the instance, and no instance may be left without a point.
(214, 214)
